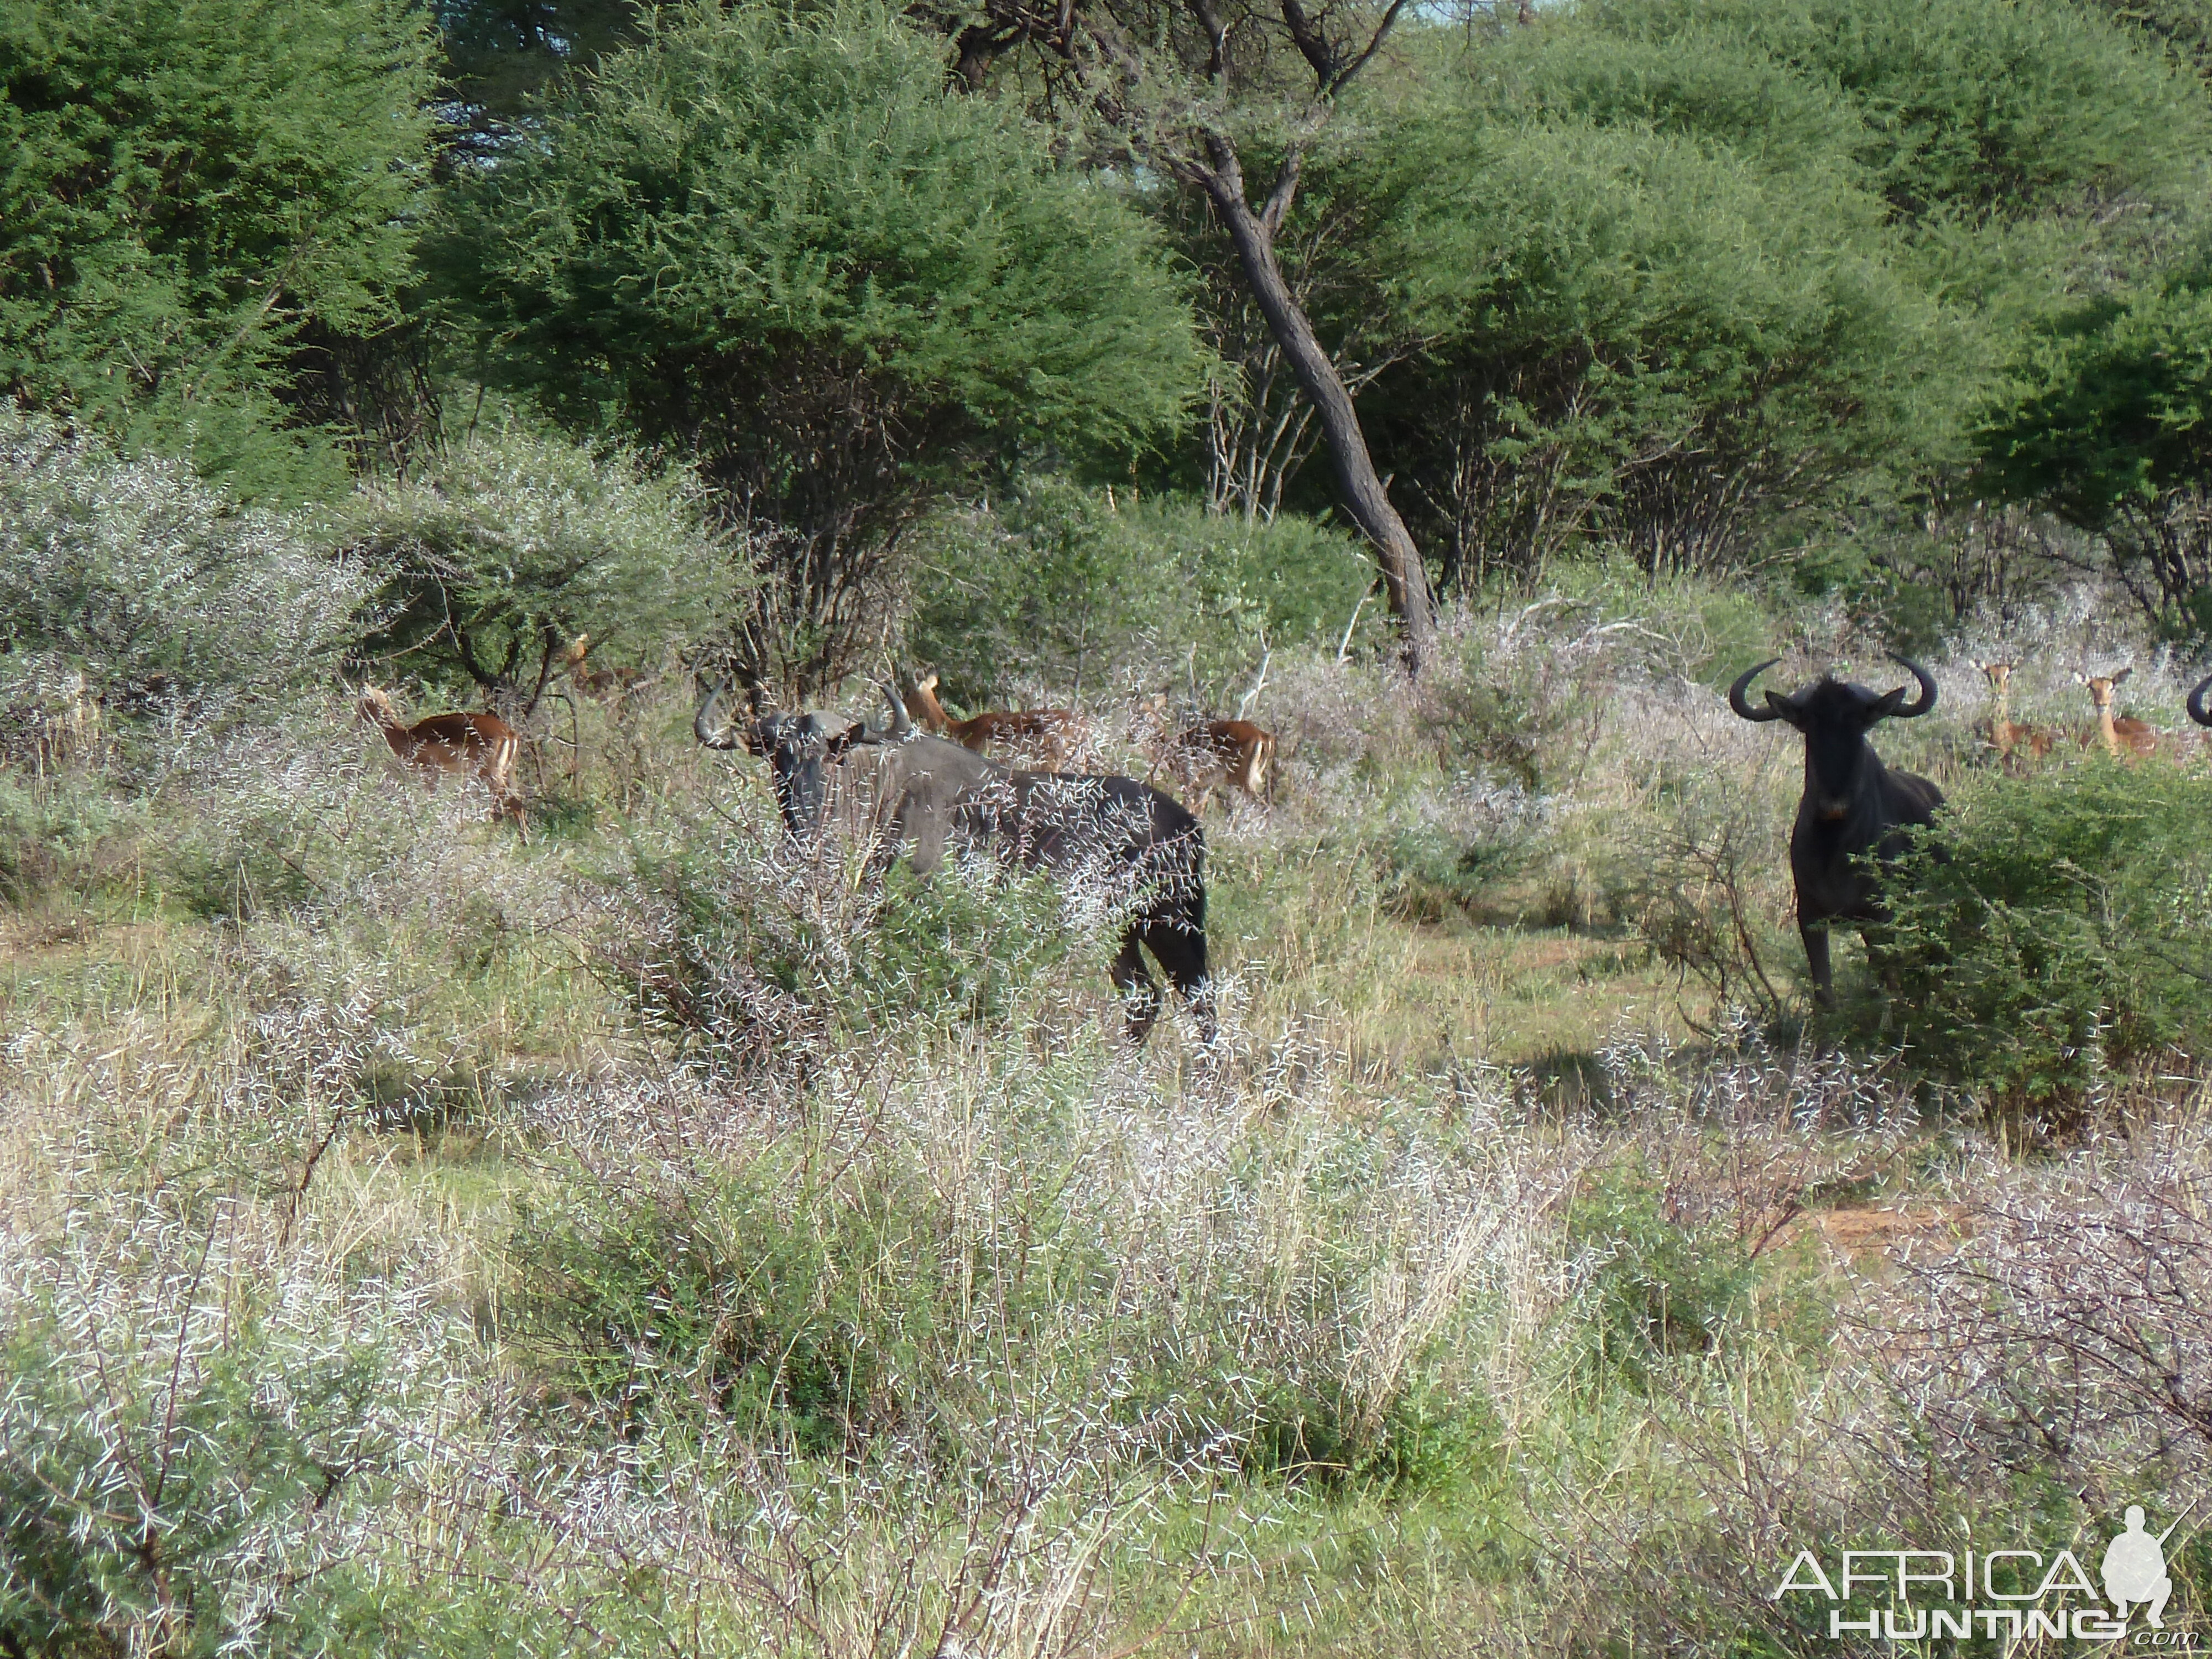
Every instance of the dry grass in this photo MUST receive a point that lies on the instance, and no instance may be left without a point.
(1491, 1286)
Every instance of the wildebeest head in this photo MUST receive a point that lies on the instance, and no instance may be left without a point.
(797, 748)
(1835, 715)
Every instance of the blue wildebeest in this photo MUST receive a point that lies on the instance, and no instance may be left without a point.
(2198, 711)
(1852, 805)
(918, 794)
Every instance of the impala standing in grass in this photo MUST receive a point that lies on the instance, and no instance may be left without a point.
(480, 747)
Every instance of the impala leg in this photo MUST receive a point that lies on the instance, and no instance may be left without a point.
(1815, 935)
(1140, 990)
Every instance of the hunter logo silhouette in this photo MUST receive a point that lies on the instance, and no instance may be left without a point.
(2135, 1569)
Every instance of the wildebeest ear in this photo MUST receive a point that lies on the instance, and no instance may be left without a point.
(839, 742)
(1780, 703)
(1886, 705)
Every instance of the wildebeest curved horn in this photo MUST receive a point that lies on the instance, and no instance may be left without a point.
(2196, 710)
(708, 725)
(901, 726)
(1914, 710)
(1736, 700)
(898, 731)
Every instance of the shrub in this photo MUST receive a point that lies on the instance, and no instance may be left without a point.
(1061, 587)
(761, 957)
(193, 193)
(737, 1294)
(184, 1448)
(507, 548)
(1658, 1286)
(775, 238)
(2055, 927)
(44, 832)
(157, 587)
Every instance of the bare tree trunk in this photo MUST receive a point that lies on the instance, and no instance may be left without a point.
(1358, 485)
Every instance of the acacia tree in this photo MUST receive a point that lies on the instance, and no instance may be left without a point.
(184, 193)
(776, 243)
(1190, 87)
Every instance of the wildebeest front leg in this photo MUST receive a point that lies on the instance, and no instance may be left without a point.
(1815, 935)
(1140, 990)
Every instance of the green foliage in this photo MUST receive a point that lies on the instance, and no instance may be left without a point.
(173, 1473)
(758, 961)
(1643, 337)
(48, 832)
(160, 590)
(184, 190)
(721, 1299)
(2002, 109)
(1063, 586)
(776, 239)
(2110, 427)
(504, 550)
(1698, 280)
(501, 54)
(1659, 1287)
(837, 1292)
(2055, 928)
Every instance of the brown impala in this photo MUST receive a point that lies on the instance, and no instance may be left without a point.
(1053, 733)
(2013, 741)
(480, 746)
(2127, 738)
(1235, 752)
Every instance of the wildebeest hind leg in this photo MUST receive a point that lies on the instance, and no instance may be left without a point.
(1140, 990)
(1182, 954)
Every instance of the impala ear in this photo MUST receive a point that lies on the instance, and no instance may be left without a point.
(2123, 674)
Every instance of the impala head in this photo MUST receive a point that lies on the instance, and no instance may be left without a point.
(1835, 716)
(2100, 687)
(375, 707)
(1998, 674)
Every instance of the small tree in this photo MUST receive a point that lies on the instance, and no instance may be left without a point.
(155, 588)
(506, 549)
(2111, 430)
(774, 240)
(187, 188)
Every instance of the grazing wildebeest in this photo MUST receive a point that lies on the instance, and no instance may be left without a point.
(1853, 805)
(927, 793)
(2198, 711)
